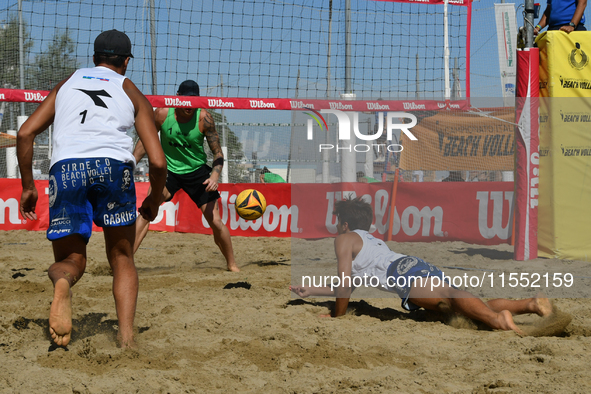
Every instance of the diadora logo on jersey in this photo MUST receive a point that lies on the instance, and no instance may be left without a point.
(95, 96)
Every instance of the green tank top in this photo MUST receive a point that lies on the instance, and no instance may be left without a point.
(273, 178)
(182, 144)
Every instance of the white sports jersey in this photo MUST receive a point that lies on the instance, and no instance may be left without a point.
(92, 116)
(373, 259)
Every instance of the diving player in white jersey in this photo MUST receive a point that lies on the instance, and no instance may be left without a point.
(360, 255)
(91, 177)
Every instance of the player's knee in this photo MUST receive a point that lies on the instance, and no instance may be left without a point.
(444, 306)
(216, 223)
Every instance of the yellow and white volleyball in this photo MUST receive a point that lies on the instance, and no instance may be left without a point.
(250, 204)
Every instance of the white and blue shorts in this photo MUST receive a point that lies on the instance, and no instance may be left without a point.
(404, 271)
(83, 191)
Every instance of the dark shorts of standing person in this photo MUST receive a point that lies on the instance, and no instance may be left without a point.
(83, 191)
(192, 184)
(580, 27)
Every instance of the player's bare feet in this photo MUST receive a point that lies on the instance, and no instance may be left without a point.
(542, 306)
(505, 322)
(60, 313)
(127, 344)
(233, 268)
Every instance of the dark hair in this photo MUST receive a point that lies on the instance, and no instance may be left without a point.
(354, 211)
(265, 170)
(112, 60)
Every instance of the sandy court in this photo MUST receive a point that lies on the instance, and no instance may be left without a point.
(196, 336)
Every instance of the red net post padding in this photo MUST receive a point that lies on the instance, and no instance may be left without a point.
(527, 155)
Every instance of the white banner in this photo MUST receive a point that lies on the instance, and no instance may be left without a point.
(507, 42)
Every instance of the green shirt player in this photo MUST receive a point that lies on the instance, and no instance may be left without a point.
(268, 177)
(182, 133)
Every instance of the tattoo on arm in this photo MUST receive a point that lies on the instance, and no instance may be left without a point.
(213, 140)
(218, 164)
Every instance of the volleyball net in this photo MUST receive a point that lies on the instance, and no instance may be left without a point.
(264, 65)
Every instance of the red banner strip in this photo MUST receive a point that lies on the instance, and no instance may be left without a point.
(37, 96)
(474, 212)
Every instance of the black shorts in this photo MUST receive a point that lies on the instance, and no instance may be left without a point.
(580, 27)
(192, 184)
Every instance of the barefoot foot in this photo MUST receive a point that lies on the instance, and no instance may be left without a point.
(127, 344)
(505, 322)
(60, 313)
(542, 306)
(233, 268)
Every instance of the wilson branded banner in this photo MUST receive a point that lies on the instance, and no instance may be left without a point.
(457, 141)
(37, 96)
(474, 212)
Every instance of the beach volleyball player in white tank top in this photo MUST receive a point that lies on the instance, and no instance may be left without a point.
(91, 177)
(418, 283)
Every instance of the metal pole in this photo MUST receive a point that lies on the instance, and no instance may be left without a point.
(418, 79)
(348, 157)
(368, 167)
(224, 137)
(455, 90)
(529, 23)
(2, 108)
(329, 48)
(348, 88)
(21, 51)
(226, 168)
(446, 51)
(292, 128)
(153, 44)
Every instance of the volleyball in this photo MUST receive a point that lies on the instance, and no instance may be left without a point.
(250, 204)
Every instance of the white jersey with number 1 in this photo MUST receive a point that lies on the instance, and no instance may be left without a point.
(92, 116)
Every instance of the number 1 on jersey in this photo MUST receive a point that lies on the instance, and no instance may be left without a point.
(83, 113)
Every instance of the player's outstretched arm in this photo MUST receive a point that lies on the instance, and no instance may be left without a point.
(146, 130)
(309, 291)
(213, 140)
(343, 245)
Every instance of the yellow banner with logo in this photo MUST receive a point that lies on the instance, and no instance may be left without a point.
(565, 67)
(564, 210)
(461, 141)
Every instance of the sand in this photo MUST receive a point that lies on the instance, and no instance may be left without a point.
(202, 329)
